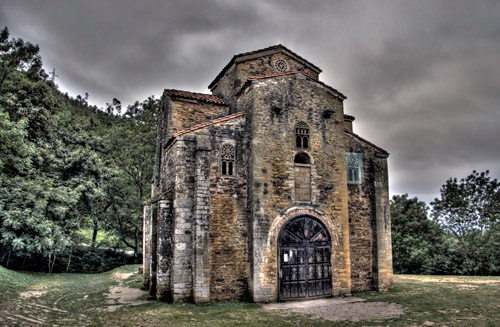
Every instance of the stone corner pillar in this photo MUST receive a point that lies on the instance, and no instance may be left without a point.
(383, 276)
(201, 237)
(181, 220)
(164, 251)
(146, 245)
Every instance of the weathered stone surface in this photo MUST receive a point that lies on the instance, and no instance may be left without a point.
(371, 248)
(212, 233)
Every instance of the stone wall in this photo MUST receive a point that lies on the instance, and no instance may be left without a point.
(275, 105)
(240, 72)
(187, 113)
(178, 114)
(228, 219)
(368, 220)
(362, 221)
(146, 245)
(225, 89)
(202, 251)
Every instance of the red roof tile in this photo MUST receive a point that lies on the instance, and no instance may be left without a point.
(194, 96)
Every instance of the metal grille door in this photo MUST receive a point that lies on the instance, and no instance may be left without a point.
(305, 260)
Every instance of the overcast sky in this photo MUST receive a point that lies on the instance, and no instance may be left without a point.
(422, 77)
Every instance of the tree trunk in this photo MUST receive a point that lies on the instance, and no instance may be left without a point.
(136, 245)
(69, 260)
(8, 258)
(94, 235)
(24, 261)
(51, 265)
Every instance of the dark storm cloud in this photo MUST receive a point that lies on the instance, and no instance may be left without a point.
(113, 49)
(422, 77)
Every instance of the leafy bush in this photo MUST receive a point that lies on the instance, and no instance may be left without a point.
(83, 260)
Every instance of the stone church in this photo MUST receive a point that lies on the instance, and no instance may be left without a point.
(263, 192)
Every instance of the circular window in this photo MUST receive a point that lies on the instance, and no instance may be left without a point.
(227, 151)
(281, 65)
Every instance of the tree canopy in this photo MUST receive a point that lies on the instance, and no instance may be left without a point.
(66, 167)
(469, 210)
(463, 237)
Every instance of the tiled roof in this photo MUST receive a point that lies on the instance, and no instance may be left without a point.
(194, 96)
(278, 46)
(365, 141)
(208, 123)
(254, 78)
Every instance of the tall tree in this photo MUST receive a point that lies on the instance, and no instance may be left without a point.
(133, 148)
(66, 167)
(469, 209)
(414, 236)
(44, 168)
(17, 55)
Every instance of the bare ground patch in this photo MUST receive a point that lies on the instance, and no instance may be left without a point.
(337, 309)
(455, 280)
(120, 296)
(461, 283)
(30, 294)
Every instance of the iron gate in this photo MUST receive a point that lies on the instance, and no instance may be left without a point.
(304, 260)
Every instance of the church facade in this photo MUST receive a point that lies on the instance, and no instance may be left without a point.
(263, 192)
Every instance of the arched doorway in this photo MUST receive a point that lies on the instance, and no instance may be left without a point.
(304, 260)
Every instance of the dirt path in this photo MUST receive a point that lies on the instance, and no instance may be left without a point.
(335, 309)
(70, 300)
(121, 295)
(31, 308)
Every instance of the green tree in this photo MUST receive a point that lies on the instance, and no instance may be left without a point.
(17, 55)
(132, 146)
(414, 236)
(469, 210)
(65, 167)
(39, 191)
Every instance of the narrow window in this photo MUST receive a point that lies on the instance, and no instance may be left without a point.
(227, 158)
(354, 168)
(302, 135)
(302, 177)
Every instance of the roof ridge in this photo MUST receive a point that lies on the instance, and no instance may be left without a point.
(249, 53)
(209, 98)
(366, 141)
(254, 78)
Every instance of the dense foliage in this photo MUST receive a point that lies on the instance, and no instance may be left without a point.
(67, 168)
(414, 236)
(469, 212)
(463, 238)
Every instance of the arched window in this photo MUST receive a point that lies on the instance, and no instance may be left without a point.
(302, 135)
(227, 160)
(302, 158)
(302, 176)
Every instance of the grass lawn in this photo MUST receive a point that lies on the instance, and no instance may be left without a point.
(29, 299)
